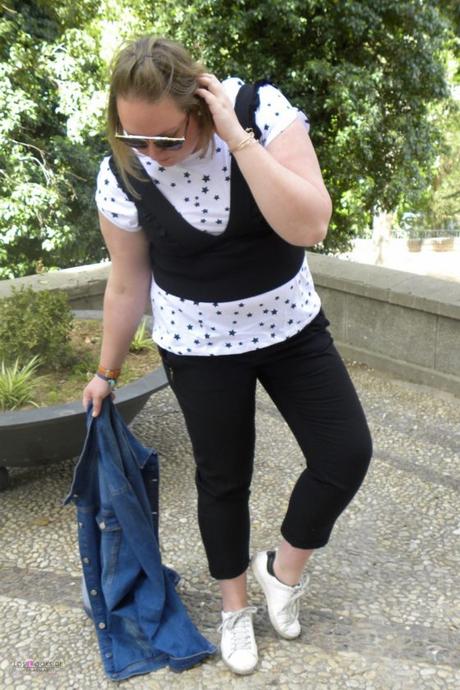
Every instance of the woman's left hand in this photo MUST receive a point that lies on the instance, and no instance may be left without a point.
(225, 120)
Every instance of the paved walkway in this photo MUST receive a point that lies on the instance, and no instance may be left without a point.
(383, 608)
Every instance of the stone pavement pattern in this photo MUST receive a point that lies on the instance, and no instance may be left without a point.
(382, 611)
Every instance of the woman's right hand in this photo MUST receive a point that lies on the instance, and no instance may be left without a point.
(95, 392)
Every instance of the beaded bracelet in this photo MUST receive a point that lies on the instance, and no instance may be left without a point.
(112, 382)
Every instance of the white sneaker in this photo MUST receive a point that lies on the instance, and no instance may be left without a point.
(282, 600)
(238, 644)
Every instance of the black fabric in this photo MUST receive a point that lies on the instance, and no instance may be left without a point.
(308, 382)
(247, 259)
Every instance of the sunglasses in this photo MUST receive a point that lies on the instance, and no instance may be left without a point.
(141, 143)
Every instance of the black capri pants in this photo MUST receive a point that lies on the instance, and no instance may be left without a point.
(309, 384)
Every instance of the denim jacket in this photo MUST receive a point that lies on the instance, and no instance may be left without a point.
(141, 623)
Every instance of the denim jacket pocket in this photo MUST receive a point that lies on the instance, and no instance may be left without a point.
(111, 535)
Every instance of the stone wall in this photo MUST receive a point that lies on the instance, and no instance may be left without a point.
(405, 324)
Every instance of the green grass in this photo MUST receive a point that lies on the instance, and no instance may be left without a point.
(17, 384)
(142, 340)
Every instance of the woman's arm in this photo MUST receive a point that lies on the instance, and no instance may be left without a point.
(125, 300)
(285, 178)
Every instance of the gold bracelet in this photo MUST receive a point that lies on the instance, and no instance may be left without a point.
(248, 139)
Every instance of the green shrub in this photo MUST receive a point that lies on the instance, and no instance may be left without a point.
(17, 384)
(36, 323)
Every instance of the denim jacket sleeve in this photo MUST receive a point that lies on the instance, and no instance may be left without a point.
(140, 621)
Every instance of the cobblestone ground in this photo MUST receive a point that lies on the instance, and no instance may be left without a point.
(382, 610)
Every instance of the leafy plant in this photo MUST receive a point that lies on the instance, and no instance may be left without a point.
(36, 323)
(17, 384)
(141, 341)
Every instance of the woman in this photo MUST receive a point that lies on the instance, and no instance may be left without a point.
(221, 220)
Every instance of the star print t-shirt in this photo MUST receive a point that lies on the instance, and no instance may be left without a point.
(199, 189)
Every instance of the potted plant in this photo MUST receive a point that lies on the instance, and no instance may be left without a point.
(34, 331)
(442, 240)
(413, 227)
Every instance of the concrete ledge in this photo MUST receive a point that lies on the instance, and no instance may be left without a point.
(406, 324)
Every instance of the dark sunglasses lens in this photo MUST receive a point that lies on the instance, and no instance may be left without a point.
(134, 143)
(170, 145)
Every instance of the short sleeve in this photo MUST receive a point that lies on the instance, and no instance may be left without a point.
(275, 114)
(112, 201)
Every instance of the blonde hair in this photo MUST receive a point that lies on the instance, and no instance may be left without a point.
(151, 68)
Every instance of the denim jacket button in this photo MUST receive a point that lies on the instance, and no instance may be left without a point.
(85, 559)
(101, 626)
(108, 655)
(102, 525)
(93, 592)
(80, 524)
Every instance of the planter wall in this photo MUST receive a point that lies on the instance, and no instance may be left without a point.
(50, 434)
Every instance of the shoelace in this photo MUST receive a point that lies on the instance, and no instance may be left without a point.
(239, 624)
(291, 607)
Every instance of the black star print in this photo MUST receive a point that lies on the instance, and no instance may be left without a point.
(218, 221)
(189, 326)
(114, 215)
(206, 178)
(224, 169)
(173, 184)
(197, 342)
(249, 315)
(187, 199)
(216, 197)
(266, 127)
(197, 203)
(186, 174)
(156, 181)
(161, 169)
(204, 210)
(266, 311)
(227, 178)
(255, 340)
(286, 301)
(205, 190)
(206, 335)
(232, 332)
(228, 344)
(218, 313)
(203, 220)
(273, 325)
(218, 150)
(227, 208)
(149, 163)
(261, 323)
(106, 182)
(177, 336)
(290, 321)
(293, 306)
(274, 311)
(112, 199)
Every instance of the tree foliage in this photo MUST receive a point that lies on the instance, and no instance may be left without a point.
(367, 74)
